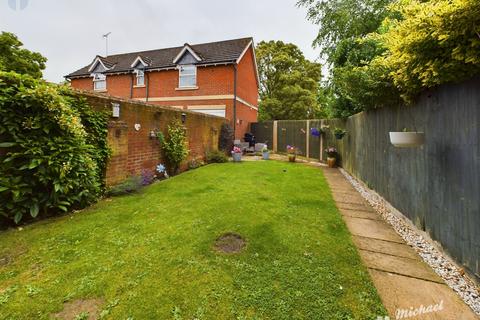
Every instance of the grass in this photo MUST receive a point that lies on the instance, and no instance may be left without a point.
(150, 255)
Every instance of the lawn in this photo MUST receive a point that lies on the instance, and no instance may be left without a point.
(151, 255)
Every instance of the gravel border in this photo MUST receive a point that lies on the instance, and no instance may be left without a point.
(443, 265)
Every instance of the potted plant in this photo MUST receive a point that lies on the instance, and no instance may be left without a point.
(265, 153)
(331, 156)
(339, 133)
(292, 153)
(237, 154)
(406, 139)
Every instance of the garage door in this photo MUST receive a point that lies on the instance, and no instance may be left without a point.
(218, 111)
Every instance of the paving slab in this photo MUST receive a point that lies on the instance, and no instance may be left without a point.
(354, 206)
(361, 214)
(385, 247)
(369, 228)
(413, 268)
(399, 293)
(408, 287)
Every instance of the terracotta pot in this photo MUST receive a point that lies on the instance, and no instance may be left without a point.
(291, 157)
(331, 162)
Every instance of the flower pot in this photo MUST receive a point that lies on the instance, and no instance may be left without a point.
(339, 136)
(407, 139)
(266, 155)
(331, 161)
(237, 157)
(292, 157)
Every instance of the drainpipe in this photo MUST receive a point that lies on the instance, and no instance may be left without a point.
(131, 86)
(235, 100)
(147, 80)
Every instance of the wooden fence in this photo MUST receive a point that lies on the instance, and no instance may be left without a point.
(278, 134)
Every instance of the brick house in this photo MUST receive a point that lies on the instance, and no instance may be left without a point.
(217, 78)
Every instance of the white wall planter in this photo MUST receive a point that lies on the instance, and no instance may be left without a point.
(407, 139)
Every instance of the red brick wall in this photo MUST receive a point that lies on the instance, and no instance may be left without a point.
(134, 151)
(247, 85)
(82, 83)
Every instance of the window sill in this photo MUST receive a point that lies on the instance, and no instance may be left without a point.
(100, 90)
(186, 88)
(142, 86)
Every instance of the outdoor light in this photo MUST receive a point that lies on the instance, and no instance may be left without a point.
(115, 110)
(184, 117)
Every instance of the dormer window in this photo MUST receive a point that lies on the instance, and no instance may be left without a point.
(99, 82)
(140, 77)
(187, 76)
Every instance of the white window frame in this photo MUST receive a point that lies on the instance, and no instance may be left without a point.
(180, 76)
(99, 82)
(140, 74)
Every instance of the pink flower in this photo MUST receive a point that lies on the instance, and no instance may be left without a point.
(236, 150)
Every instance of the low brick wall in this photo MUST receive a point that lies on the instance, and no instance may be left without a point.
(134, 150)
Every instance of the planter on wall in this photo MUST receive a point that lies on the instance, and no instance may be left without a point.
(407, 139)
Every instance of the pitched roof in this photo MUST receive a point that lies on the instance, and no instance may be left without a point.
(214, 52)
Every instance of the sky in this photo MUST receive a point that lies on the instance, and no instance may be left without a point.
(69, 32)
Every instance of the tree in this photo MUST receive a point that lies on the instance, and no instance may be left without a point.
(19, 60)
(289, 83)
(341, 20)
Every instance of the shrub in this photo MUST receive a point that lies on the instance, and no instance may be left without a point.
(435, 42)
(46, 163)
(174, 145)
(130, 185)
(226, 138)
(195, 163)
(148, 176)
(216, 157)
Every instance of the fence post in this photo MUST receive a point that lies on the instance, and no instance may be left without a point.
(275, 136)
(307, 139)
(321, 141)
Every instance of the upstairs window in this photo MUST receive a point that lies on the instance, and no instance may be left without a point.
(187, 76)
(140, 77)
(99, 82)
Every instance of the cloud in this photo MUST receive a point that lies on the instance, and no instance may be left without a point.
(69, 32)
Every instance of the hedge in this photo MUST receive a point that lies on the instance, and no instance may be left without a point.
(53, 149)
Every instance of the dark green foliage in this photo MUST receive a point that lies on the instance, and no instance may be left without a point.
(95, 124)
(289, 83)
(216, 157)
(130, 185)
(225, 141)
(14, 58)
(46, 161)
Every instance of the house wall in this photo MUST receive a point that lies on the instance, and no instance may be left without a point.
(134, 151)
(215, 85)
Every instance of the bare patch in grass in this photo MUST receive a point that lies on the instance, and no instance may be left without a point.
(230, 243)
(80, 309)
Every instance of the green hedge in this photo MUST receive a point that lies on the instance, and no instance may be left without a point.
(53, 149)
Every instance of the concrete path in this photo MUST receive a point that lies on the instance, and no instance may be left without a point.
(403, 280)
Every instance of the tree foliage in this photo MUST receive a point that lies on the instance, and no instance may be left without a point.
(14, 58)
(416, 45)
(343, 20)
(289, 83)
(434, 42)
(47, 163)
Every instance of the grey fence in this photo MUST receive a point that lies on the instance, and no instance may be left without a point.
(437, 186)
